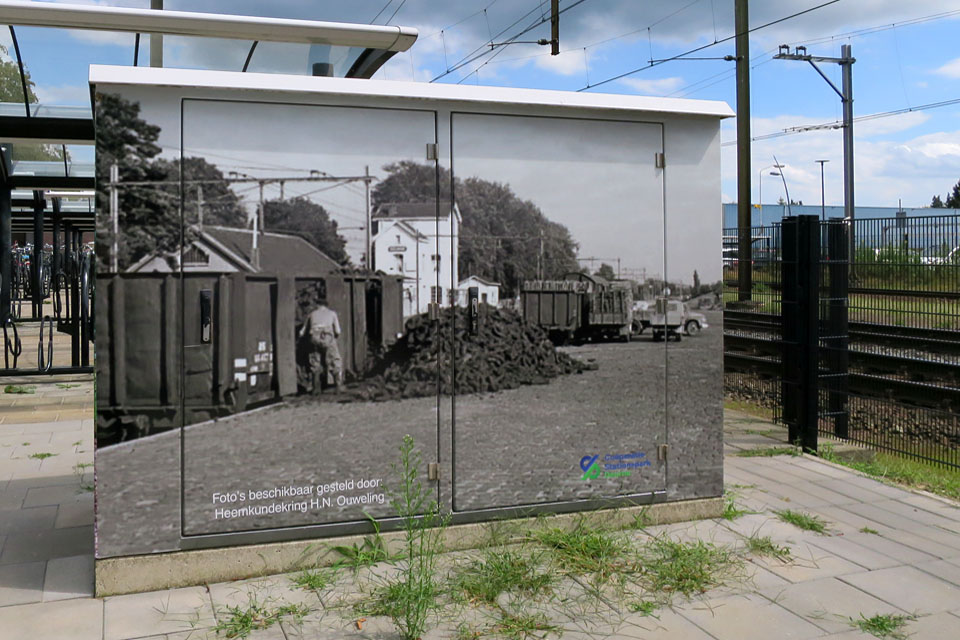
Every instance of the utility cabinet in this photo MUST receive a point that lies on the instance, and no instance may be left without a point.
(481, 250)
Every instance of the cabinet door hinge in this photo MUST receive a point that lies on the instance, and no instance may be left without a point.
(433, 471)
(662, 451)
(659, 160)
(431, 151)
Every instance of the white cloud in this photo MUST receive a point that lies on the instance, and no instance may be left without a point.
(885, 170)
(68, 94)
(654, 86)
(950, 69)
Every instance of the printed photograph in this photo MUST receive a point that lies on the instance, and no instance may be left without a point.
(285, 291)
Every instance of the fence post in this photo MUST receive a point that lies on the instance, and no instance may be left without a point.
(836, 328)
(799, 309)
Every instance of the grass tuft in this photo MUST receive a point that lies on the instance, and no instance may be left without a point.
(501, 572)
(883, 625)
(685, 567)
(19, 388)
(646, 608)
(42, 455)
(586, 551)
(730, 509)
(242, 620)
(866, 529)
(314, 579)
(520, 626)
(765, 546)
(804, 521)
(768, 452)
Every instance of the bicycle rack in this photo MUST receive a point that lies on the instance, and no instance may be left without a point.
(48, 364)
(11, 348)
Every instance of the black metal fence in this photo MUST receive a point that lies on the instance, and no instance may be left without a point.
(877, 338)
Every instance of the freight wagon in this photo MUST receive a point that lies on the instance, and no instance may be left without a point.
(579, 308)
(231, 336)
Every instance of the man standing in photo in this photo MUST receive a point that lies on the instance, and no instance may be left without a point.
(323, 328)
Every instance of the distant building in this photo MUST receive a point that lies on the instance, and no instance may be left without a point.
(489, 292)
(774, 213)
(409, 240)
(228, 250)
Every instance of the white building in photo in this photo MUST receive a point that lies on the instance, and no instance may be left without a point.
(489, 292)
(409, 240)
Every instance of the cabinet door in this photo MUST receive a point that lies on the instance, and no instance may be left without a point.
(285, 206)
(561, 398)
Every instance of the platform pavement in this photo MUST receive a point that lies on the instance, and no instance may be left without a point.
(888, 550)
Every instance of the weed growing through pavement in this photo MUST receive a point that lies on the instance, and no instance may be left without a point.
(766, 547)
(502, 571)
(730, 509)
(66, 385)
(371, 551)
(241, 620)
(314, 579)
(412, 597)
(766, 452)
(804, 521)
(520, 626)
(883, 625)
(585, 550)
(688, 568)
(41, 455)
(646, 608)
(19, 388)
(641, 520)
(866, 529)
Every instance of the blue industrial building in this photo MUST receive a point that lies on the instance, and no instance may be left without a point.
(775, 212)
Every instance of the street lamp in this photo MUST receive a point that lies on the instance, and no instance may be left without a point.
(823, 206)
(760, 183)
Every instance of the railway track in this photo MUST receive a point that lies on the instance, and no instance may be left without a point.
(915, 366)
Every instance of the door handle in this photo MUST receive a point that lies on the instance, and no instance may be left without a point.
(206, 315)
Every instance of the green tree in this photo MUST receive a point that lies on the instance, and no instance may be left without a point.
(953, 198)
(308, 219)
(501, 234)
(606, 272)
(148, 214)
(11, 90)
(936, 203)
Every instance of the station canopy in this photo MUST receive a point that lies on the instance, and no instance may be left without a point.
(188, 40)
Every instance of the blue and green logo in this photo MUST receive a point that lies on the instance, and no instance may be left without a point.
(591, 468)
(613, 465)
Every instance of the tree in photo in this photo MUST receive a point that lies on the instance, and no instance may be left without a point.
(11, 90)
(501, 234)
(148, 196)
(303, 217)
(207, 196)
(606, 272)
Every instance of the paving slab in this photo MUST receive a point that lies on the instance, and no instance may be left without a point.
(21, 583)
(22, 520)
(943, 569)
(46, 544)
(80, 619)
(749, 617)
(870, 551)
(143, 614)
(938, 626)
(909, 588)
(808, 562)
(70, 577)
(828, 603)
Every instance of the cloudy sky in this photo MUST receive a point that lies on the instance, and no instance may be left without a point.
(907, 57)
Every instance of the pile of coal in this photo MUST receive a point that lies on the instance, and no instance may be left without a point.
(504, 353)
